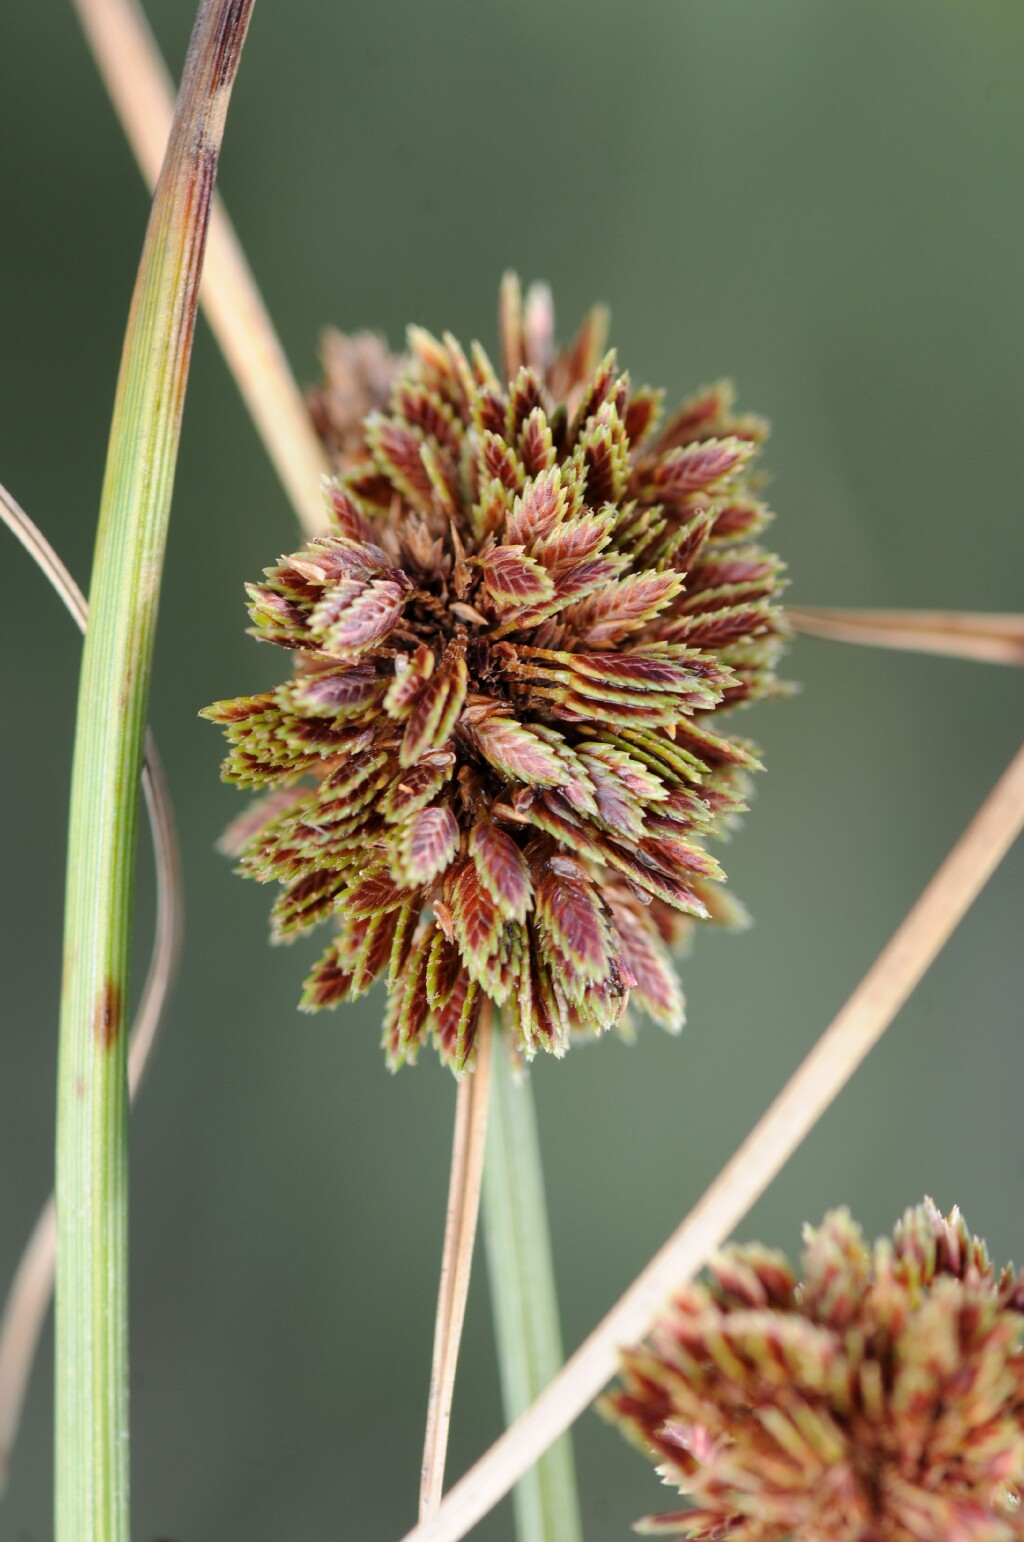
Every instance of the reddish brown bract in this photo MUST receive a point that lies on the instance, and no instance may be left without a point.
(878, 1399)
(508, 651)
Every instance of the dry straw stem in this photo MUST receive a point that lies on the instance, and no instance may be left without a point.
(807, 1095)
(32, 1286)
(456, 1263)
(991, 639)
(141, 92)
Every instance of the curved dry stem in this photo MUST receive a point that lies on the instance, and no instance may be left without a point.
(143, 98)
(990, 639)
(32, 1287)
(456, 1262)
(823, 1074)
(44, 556)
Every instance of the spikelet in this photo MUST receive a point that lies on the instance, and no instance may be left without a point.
(879, 1398)
(498, 759)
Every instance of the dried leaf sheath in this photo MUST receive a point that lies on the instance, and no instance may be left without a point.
(498, 758)
(471, 1117)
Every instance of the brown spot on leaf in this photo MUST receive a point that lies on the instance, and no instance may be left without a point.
(106, 1022)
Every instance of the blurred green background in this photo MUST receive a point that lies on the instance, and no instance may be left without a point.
(822, 200)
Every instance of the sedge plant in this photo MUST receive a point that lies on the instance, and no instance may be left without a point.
(519, 873)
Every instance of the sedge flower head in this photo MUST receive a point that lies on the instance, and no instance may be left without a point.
(879, 1398)
(498, 757)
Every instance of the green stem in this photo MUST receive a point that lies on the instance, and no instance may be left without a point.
(91, 1460)
(524, 1297)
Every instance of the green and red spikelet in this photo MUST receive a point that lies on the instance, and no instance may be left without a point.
(497, 758)
(880, 1398)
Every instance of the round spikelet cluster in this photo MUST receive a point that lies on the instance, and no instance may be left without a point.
(878, 1399)
(498, 757)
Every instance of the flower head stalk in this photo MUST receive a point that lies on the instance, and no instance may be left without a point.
(498, 758)
(877, 1398)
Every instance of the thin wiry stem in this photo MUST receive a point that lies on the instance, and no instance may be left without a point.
(143, 98)
(990, 639)
(44, 556)
(809, 1092)
(32, 1286)
(456, 1262)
